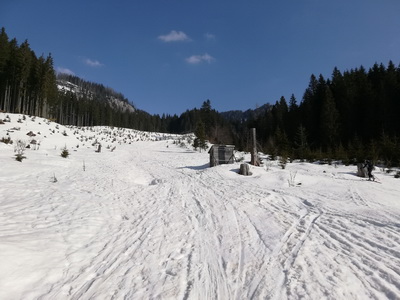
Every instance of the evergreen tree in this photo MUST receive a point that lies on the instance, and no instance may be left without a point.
(200, 140)
(293, 121)
(301, 148)
(329, 126)
(352, 109)
(293, 103)
(4, 58)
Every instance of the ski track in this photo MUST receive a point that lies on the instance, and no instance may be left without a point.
(152, 228)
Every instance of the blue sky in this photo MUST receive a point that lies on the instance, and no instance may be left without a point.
(167, 56)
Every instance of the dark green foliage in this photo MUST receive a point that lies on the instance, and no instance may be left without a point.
(349, 117)
(7, 140)
(329, 126)
(200, 140)
(27, 82)
(301, 149)
(64, 152)
(19, 157)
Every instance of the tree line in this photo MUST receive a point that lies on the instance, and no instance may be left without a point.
(28, 85)
(350, 116)
(27, 82)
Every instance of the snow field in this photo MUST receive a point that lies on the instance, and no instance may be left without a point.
(150, 220)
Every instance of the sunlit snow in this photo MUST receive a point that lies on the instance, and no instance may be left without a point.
(146, 218)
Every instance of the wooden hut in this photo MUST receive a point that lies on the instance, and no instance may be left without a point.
(221, 154)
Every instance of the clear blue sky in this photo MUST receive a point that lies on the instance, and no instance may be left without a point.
(167, 56)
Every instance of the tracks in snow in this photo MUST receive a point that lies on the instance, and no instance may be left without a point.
(152, 229)
(343, 255)
(186, 236)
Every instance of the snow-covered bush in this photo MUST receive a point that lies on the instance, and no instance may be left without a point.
(292, 178)
(267, 164)
(19, 148)
(283, 161)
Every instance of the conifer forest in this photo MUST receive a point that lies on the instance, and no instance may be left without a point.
(352, 116)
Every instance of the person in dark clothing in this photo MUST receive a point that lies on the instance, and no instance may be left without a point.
(368, 164)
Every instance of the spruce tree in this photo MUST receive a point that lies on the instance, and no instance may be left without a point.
(200, 140)
(329, 126)
(301, 147)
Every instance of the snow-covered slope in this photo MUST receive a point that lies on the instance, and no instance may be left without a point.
(150, 220)
(67, 86)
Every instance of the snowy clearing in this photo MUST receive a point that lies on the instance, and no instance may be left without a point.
(150, 220)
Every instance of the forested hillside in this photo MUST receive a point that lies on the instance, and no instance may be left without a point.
(29, 85)
(350, 116)
(27, 82)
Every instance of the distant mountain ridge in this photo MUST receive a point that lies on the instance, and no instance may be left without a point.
(93, 91)
(239, 115)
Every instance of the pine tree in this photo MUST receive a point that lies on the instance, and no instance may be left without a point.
(301, 147)
(329, 126)
(293, 103)
(207, 118)
(200, 140)
(292, 121)
(308, 107)
(4, 57)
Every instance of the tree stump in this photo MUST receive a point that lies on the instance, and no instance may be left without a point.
(361, 171)
(244, 170)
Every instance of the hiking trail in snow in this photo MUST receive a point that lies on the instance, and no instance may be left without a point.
(150, 220)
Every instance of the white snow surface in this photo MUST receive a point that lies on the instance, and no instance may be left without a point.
(151, 220)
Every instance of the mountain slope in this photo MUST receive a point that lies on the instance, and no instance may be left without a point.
(93, 91)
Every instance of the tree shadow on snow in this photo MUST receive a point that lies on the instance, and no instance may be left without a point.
(180, 152)
(202, 167)
(349, 173)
